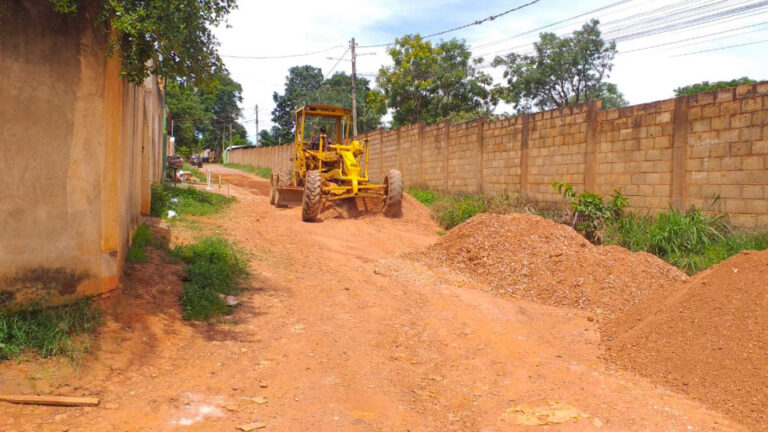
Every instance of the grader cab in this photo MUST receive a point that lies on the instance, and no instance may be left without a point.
(327, 166)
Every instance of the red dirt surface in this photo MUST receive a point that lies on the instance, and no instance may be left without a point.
(530, 257)
(709, 339)
(339, 331)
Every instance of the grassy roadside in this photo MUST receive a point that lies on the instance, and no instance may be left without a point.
(49, 331)
(690, 240)
(261, 172)
(186, 201)
(214, 268)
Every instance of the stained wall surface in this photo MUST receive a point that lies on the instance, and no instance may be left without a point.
(709, 150)
(80, 148)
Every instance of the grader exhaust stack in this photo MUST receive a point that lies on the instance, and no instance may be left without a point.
(327, 166)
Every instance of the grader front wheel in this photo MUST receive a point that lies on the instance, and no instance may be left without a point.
(280, 178)
(394, 188)
(313, 194)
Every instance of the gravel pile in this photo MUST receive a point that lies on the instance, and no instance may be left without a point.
(534, 258)
(709, 339)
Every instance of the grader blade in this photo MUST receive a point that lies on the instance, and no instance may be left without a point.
(288, 196)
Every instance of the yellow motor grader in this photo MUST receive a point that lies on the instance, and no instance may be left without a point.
(327, 166)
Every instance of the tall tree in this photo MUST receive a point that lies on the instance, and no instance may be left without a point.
(170, 38)
(706, 86)
(300, 84)
(561, 71)
(305, 85)
(202, 115)
(432, 82)
(337, 91)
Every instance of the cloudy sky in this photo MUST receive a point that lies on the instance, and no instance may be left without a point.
(647, 68)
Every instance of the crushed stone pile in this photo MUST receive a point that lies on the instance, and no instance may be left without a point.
(534, 258)
(709, 339)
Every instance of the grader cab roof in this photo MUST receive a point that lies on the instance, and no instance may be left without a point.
(324, 111)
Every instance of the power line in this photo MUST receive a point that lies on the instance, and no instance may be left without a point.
(550, 25)
(286, 55)
(699, 37)
(337, 63)
(721, 48)
(473, 23)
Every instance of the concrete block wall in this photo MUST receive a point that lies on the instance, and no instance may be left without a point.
(677, 152)
(82, 147)
(634, 153)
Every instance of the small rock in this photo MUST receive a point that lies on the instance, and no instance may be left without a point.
(110, 405)
(263, 385)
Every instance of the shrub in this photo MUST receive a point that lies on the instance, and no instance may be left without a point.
(590, 213)
(214, 266)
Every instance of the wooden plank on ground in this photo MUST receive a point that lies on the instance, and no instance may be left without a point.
(50, 400)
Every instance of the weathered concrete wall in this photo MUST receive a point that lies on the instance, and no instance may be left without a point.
(680, 152)
(80, 147)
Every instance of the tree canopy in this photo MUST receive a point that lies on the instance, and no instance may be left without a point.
(202, 115)
(561, 71)
(306, 85)
(174, 34)
(706, 86)
(432, 82)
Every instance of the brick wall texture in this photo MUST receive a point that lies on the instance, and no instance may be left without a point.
(677, 152)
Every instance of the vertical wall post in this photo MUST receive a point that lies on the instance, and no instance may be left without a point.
(679, 152)
(381, 154)
(524, 158)
(446, 150)
(399, 146)
(421, 153)
(480, 125)
(590, 149)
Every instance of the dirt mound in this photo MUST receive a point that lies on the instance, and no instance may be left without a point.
(531, 257)
(709, 339)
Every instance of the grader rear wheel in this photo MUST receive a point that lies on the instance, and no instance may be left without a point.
(313, 194)
(394, 189)
(280, 178)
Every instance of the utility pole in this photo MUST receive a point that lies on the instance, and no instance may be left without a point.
(230, 134)
(354, 87)
(257, 125)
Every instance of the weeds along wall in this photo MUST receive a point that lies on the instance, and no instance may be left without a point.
(80, 147)
(676, 152)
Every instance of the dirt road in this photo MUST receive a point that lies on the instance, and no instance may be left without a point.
(340, 332)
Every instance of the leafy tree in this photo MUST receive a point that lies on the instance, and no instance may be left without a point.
(706, 86)
(174, 34)
(305, 85)
(562, 71)
(300, 84)
(202, 115)
(432, 82)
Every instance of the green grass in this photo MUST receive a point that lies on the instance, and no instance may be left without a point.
(261, 172)
(49, 331)
(196, 173)
(451, 210)
(214, 266)
(690, 240)
(191, 201)
(141, 239)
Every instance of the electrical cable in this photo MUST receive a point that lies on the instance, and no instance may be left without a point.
(473, 23)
